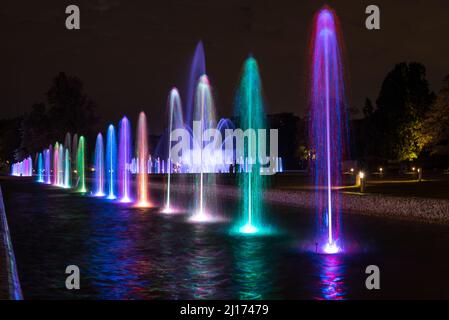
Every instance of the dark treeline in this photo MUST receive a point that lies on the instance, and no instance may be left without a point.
(67, 109)
(406, 123)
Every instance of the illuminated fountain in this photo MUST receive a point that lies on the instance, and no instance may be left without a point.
(197, 69)
(99, 166)
(124, 161)
(61, 166)
(81, 170)
(74, 150)
(67, 170)
(175, 122)
(56, 164)
(68, 143)
(142, 158)
(111, 162)
(47, 154)
(23, 168)
(40, 168)
(328, 125)
(204, 119)
(250, 110)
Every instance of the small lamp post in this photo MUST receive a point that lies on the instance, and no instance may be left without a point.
(419, 174)
(381, 171)
(362, 181)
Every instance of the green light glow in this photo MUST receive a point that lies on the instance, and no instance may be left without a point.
(81, 166)
(250, 110)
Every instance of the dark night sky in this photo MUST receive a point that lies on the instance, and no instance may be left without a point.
(130, 53)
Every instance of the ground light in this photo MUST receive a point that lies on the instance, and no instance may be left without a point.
(362, 181)
(331, 248)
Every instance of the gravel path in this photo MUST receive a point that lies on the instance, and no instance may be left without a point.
(408, 208)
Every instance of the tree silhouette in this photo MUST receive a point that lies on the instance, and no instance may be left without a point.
(69, 109)
(403, 101)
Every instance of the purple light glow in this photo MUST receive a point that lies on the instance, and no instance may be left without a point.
(124, 161)
(328, 126)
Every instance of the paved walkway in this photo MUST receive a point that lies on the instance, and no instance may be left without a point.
(9, 280)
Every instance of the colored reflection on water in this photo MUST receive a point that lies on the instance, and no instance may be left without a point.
(110, 241)
(253, 275)
(206, 266)
(332, 270)
(124, 254)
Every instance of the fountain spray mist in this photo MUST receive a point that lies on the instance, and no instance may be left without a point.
(328, 125)
(142, 158)
(99, 166)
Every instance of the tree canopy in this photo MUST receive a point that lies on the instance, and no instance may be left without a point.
(436, 123)
(68, 109)
(396, 123)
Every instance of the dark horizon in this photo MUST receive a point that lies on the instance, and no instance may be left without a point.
(130, 55)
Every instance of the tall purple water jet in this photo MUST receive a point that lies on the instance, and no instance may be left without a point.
(68, 142)
(61, 166)
(328, 125)
(56, 164)
(111, 162)
(51, 165)
(99, 166)
(124, 162)
(47, 164)
(197, 69)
